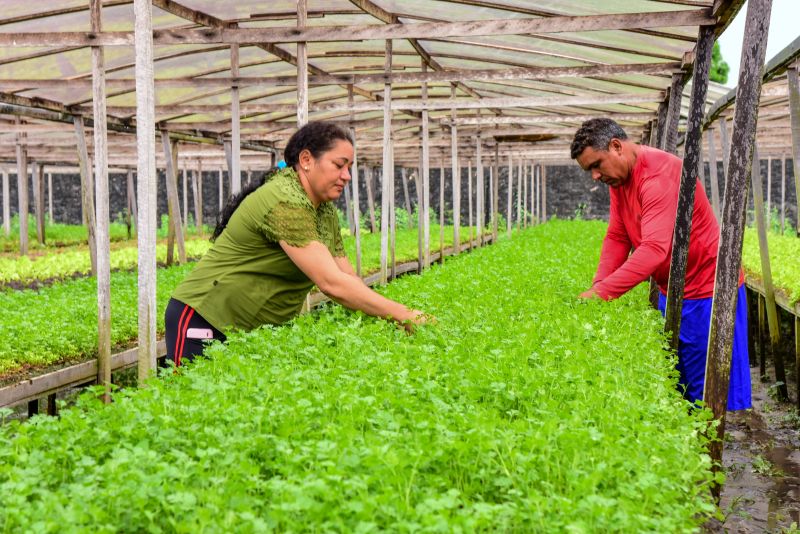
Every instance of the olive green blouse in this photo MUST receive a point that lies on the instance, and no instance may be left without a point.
(246, 279)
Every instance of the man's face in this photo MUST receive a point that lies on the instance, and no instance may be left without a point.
(607, 166)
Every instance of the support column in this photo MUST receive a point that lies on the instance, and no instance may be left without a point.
(50, 197)
(726, 279)
(469, 198)
(234, 163)
(146, 187)
(368, 173)
(197, 190)
(221, 188)
(37, 175)
(520, 192)
(302, 67)
(773, 322)
(171, 156)
(455, 170)
(22, 192)
(354, 186)
(425, 178)
(712, 165)
(441, 209)
(87, 187)
(185, 212)
(689, 180)
(726, 152)
(101, 207)
(674, 111)
(544, 192)
(495, 192)
(480, 207)
(783, 199)
(510, 185)
(132, 200)
(386, 179)
(524, 196)
(406, 197)
(6, 205)
(794, 113)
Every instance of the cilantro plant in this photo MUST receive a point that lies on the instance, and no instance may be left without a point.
(522, 410)
(784, 251)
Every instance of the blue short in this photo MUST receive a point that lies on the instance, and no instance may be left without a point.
(693, 347)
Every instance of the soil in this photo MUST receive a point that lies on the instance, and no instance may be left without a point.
(761, 457)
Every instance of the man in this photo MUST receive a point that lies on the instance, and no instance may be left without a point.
(644, 185)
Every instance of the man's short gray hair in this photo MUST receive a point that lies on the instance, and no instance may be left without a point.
(596, 133)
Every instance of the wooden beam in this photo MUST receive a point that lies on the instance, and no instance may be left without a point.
(430, 30)
(146, 189)
(674, 112)
(171, 176)
(409, 104)
(726, 279)
(102, 208)
(236, 139)
(22, 193)
(37, 176)
(87, 187)
(302, 67)
(354, 186)
(688, 180)
(455, 171)
(388, 169)
(510, 185)
(425, 179)
(794, 113)
(712, 165)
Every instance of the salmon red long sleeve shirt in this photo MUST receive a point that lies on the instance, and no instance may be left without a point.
(643, 212)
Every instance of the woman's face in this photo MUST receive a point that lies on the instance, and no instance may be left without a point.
(327, 175)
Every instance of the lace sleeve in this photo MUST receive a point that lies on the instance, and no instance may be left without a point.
(295, 224)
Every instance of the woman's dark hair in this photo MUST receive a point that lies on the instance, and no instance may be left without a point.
(596, 133)
(317, 137)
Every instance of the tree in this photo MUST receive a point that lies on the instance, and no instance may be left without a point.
(719, 68)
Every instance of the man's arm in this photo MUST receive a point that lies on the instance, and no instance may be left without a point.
(659, 202)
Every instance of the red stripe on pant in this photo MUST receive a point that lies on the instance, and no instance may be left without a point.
(181, 332)
(183, 335)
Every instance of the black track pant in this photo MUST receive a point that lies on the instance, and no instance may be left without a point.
(186, 332)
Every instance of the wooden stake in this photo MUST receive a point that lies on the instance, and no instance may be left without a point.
(524, 196)
(236, 137)
(368, 174)
(544, 192)
(185, 212)
(50, 197)
(171, 156)
(520, 191)
(510, 186)
(302, 67)
(712, 165)
(22, 193)
(674, 111)
(131, 191)
(469, 198)
(495, 191)
(87, 187)
(479, 203)
(783, 199)
(441, 210)
(197, 194)
(688, 183)
(354, 187)
(455, 171)
(726, 280)
(37, 174)
(386, 179)
(426, 174)
(726, 152)
(6, 205)
(766, 277)
(221, 193)
(794, 114)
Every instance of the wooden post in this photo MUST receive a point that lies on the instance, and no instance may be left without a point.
(132, 199)
(221, 194)
(783, 198)
(762, 335)
(495, 191)
(185, 212)
(386, 179)
(302, 67)
(661, 122)
(794, 114)
(510, 185)
(354, 187)
(406, 198)
(392, 214)
(479, 203)
(441, 210)
(520, 191)
(769, 193)
(524, 196)
(420, 229)
(535, 191)
(234, 163)
(426, 173)
(6, 205)
(197, 195)
(726, 152)
(689, 180)
(37, 174)
(146, 187)
(171, 155)
(469, 198)
(87, 187)
(50, 198)
(455, 170)
(674, 111)
(368, 173)
(101, 207)
(712, 165)
(766, 277)
(726, 279)
(22, 193)
(797, 350)
(544, 192)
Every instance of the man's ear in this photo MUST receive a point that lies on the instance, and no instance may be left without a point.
(615, 146)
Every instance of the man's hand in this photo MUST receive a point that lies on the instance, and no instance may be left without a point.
(589, 294)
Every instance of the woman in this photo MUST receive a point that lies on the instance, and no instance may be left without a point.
(274, 242)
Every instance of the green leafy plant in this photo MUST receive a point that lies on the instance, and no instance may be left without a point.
(522, 409)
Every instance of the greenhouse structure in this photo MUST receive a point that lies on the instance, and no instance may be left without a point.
(430, 359)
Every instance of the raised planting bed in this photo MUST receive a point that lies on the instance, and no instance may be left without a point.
(522, 410)
(784, 252)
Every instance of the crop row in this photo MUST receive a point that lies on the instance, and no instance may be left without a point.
(521, 410)
(784, 252)
(28, 338)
